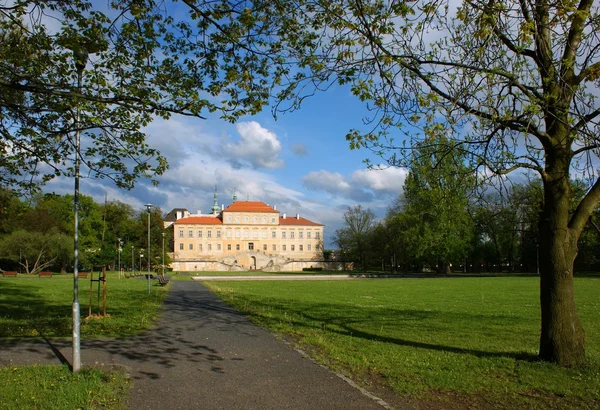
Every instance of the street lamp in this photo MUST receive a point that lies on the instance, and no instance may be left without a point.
(163, 255)
(82, 47)
(81, 57)
(148, 207)
(132, 263)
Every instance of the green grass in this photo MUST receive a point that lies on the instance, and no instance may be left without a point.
(438, 342)
(33, 307)
(55, 387)
(30, 306)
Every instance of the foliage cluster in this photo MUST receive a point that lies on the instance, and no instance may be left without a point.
(37, 235)
(441, 230)
(105, 70)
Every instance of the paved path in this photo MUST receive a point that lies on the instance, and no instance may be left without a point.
(204, 355)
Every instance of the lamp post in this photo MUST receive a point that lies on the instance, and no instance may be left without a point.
(120, 249)
(163, 255)
(81, 57)
(141, 256)
(132, 263)
(149, 208)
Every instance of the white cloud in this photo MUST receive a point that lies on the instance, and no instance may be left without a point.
(332, 182)
(388, 180)
(257, 146)
(362, 186)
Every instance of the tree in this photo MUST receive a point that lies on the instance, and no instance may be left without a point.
(353, 238)
(34, 251)
(435, 204)
(66, 67)
(513, 83)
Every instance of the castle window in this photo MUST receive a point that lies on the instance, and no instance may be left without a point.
(292, 248)
(255, 220)
(264, 234)
(272, 220)
(246, 234)
(229, 234)
(264, 219)
(292, 235)
(237, 218)
(274, 247)
(237, 247)
(237, 234)
(300, 235)
(180, 246)
(250, 246)
(199, 234)
(209, 234)
(218, 234)
(255, 234)
(283, 248)
(218, 246)
(317, 235)
(301, 248)
(264, 247)
(283, 235)
(229, 247)
(200, 247)
(308, 247)
(191, 246)
(191, 234)
(209, 247)
(307, 235)
(181, 233)
(274, 234)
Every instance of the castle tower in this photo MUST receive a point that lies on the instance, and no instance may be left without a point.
(215, 208)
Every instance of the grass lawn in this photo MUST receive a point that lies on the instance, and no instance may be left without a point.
(55, 387)
(438, 343)
(33, 307)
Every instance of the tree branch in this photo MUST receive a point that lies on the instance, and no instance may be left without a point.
(585, 209)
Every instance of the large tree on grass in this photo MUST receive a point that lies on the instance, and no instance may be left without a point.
(514, 85)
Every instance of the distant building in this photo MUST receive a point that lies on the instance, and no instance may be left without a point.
(244, 236)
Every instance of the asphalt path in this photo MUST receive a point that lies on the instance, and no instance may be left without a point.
(204, 355)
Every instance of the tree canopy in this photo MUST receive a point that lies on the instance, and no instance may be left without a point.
(108, 72)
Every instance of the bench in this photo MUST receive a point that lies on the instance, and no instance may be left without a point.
(45, 274)
(9, 273)
(83, 275)
(162, 280)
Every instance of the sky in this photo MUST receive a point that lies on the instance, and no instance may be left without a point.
(299, 162)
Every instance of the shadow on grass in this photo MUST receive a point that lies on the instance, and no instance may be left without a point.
(320, 317)
(179, 339)
(348, 331)
(26, 313)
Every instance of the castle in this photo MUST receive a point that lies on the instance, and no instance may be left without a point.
(246, 235)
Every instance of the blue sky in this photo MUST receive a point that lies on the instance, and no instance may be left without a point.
(300, 162)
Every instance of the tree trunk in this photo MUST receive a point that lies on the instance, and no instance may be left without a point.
(562, 337)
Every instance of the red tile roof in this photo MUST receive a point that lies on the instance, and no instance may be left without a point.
(200, 220)
(291, 220)
(248, 206)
